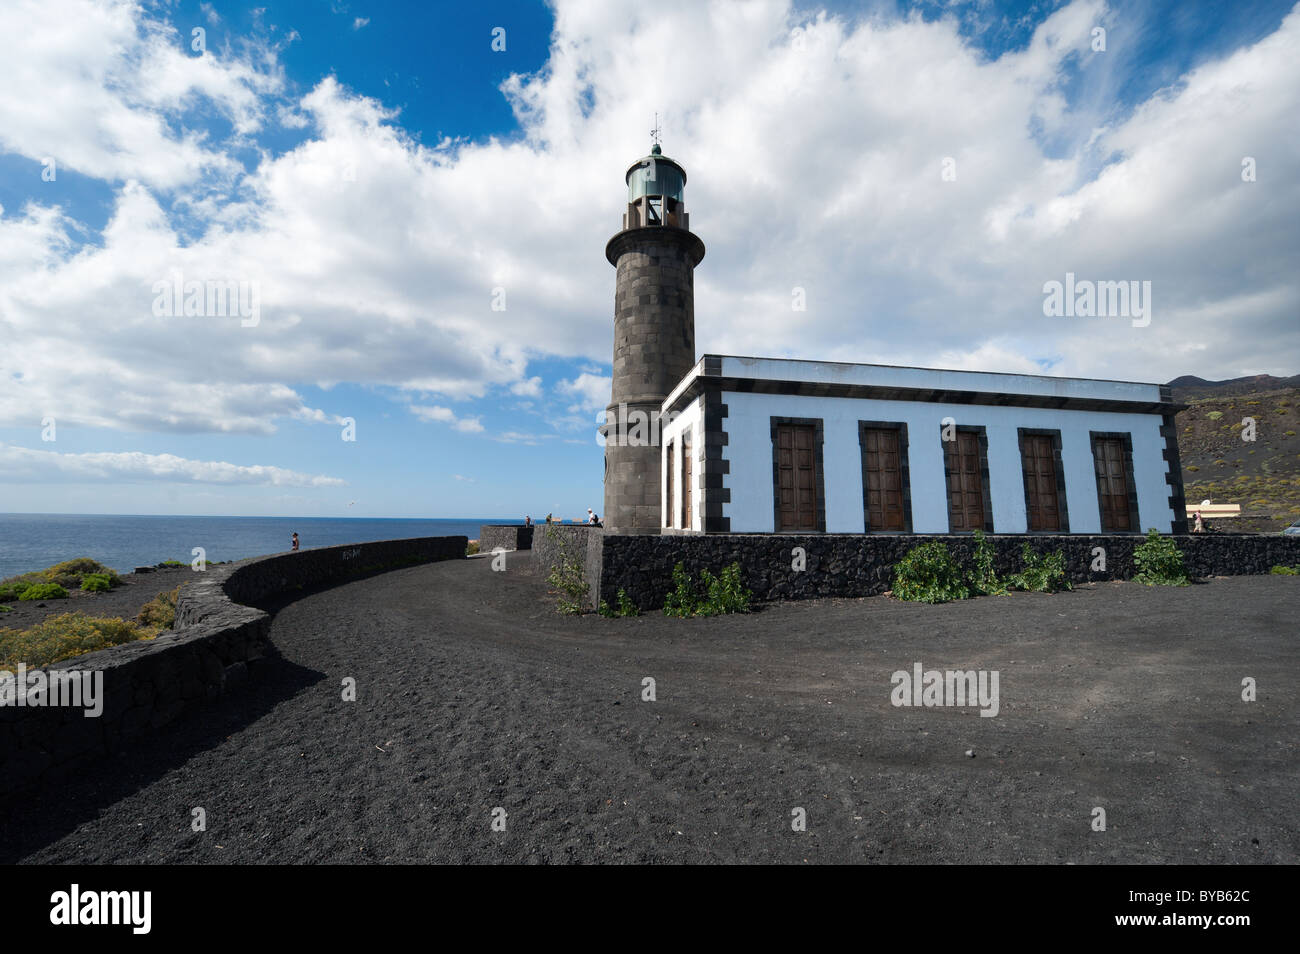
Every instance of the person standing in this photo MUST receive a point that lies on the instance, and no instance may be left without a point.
(528, 521)
(295, 540)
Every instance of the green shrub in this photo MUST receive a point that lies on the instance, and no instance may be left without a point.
(471, 548)
(714, 596)
(681, 600)
(1214, 415)
(570, 582)
(983, 580)
(625, 605)
(43, 591)
(1285, 571)
(159, 614)
(62, 637)
(171, 563)
(1042, 573)
(97, 583)
(11, 591)
(1159, 562)
(928, 574)
(71, 573)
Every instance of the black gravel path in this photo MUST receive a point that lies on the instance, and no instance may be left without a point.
(473, 694)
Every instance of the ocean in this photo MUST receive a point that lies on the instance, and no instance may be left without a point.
(33, 541)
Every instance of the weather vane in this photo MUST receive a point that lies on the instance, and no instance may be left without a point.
(654, 133)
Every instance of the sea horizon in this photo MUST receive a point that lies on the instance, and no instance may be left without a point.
(34, 541)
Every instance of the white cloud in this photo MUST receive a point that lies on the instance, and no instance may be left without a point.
(591, 390)
(24, 465)
(814, 164)
(445, 415)
(531, 387)
(360, 22)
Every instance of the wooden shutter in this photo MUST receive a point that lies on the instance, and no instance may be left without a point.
(796, 477)
(882, 477)
(965, 483)
(1112, 484)
(1038, 458)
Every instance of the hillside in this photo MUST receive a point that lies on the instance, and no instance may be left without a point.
(1262, 476)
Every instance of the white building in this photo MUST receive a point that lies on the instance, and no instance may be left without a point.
(763, 445)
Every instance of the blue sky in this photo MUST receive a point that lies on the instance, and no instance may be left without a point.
(380, 171)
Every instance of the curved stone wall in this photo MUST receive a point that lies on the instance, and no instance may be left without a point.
(219, 638)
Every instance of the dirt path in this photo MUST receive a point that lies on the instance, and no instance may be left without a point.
(472, 694)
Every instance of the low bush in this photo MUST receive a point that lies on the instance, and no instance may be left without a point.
(1285, 571)
(929, 574)
(571, 587)
(96, 583)
(159, 614)
(43, 591)
(63, 637)
(713, 596)
(471, 548)
(71, 573)
(1042, 572)
(11, 591)
(624, 608)
(983, 580)
(1159, 562)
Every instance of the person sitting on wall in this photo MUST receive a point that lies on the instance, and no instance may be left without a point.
(549, 521)
(1197, 525)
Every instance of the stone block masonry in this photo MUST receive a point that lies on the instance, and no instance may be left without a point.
(504, 535)
(861, 565)
(218, 641)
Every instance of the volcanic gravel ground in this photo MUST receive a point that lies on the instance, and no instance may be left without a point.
(473, 694)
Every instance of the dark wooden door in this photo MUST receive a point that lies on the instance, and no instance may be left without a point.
(965, 483)
(688, 483)
(1112, 484)
(1038, 457)
(796, 463)
(882, 476)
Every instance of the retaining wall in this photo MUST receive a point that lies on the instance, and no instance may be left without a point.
(860, 565)
(574, 542)
(504, 535)
(218, 640)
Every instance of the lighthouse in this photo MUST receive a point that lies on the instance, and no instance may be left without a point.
(654, 256)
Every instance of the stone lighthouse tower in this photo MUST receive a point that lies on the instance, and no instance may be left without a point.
(654, 335)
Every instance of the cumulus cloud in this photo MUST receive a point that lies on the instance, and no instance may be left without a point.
(815, 146)
(25, 465)
(591, 391)
(445, 415)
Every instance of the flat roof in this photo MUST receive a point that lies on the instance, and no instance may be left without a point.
(839, 378)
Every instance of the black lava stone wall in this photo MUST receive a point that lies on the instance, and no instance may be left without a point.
(506, 536)
(858, 565)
